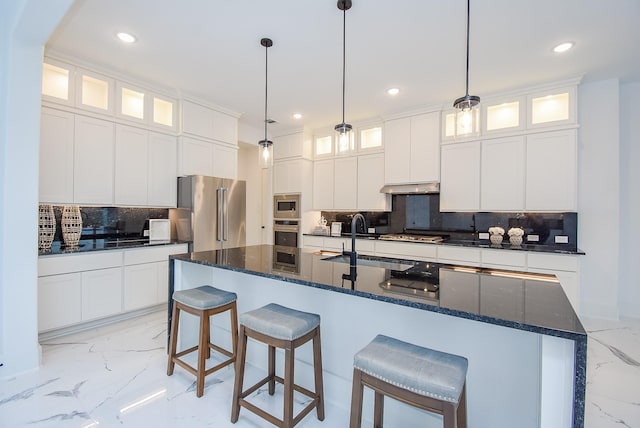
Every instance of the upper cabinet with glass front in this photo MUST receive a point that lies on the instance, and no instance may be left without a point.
(460, 125)
(95, 92)
(57, 85)
(503, 115)
(551, 108)
(143, 106)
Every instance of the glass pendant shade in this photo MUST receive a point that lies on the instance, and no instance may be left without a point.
(265, 153)
(344, 138)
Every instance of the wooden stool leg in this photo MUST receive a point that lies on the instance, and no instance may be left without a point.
(207, 334)
(462, 408)
(237, 387)
(317, 370)
(202, 353)
(378, 410)
(233, 314)
(173, 339)
(289, 355)
(272, 370)
(356, 400)
(449, 415)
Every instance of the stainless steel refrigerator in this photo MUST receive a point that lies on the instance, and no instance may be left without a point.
(211, 212)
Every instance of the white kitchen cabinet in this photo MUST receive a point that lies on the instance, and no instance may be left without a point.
(59, 301)
(460, 177)
(295, 145)
(57, 82)
(323, 182)
(225, 128)
(202, 121)
(370, 181)
(141, 286)
(56, 156)
(93, 165)
(95, 92)
(225, 161)
(195, 157)
(504, 259)
(565, 267)
(162, 170)
(316, 242)
(292, 176)
(131, 174)
(412, 149)
(502, 174)
(406, 250)
(551, 177)
(101, 293)
(459, 255)
(345, 185)
(552, 108)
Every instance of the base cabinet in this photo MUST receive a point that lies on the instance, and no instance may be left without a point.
(59, 301)
(101, 293)
(145, 285)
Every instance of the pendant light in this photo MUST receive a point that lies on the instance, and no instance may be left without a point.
(344, 131)
(467, 118)
(265, 149)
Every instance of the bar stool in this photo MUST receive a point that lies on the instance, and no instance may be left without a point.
(431, 380)
(279, 327)
(202, 302)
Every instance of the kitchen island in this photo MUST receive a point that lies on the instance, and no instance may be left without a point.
(525, 345)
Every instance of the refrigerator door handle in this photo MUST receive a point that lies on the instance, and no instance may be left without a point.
(225, 197)
(220, 212)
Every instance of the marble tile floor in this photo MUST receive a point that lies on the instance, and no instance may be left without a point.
(115, 376)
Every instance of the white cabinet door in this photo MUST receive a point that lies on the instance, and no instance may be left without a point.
(323, 180)
(195, 157)
(502, 181)
(424, 160)
(345, 185)
(131, 176)
(101, 293)
(162, 285)
(225, 161)
(225, 128)
(370, 181)
(93, 165)
(162, 180)
(397, 150)
(59, 301)
(284, 146)
(197, 119)
(460, 177)
(287, 176)
(552, 171)
(56, 156)
(140, 286)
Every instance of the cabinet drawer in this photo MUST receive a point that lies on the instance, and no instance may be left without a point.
(406, 249)
(150, 255)
(68, 263)
(313, 241)
(458, 254)
(517, 259)
(553, 262)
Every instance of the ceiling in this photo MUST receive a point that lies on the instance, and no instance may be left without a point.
(211, 49)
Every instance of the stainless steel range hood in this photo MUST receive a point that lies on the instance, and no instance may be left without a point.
(411, 189)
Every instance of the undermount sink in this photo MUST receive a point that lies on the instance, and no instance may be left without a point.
(378, 262)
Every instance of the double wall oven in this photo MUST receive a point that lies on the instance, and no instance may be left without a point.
(286, 232)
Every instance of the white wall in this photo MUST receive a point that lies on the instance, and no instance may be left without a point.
(24, 28)
(599, 197)
(629, 289)
(249, 171)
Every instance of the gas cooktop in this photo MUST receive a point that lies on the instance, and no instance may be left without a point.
(411, 237)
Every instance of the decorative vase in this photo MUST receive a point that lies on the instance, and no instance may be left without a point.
(515, 240)
(495, 239)
(71, 224)
(46, 227)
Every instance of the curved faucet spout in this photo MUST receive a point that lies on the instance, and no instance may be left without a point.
(353, 255)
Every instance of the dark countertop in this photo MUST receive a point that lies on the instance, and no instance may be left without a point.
(523, 301)
(554, 249)
(510, 299)
(86, 245)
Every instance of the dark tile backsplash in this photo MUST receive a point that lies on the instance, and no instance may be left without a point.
(112, 222)
(421, 214)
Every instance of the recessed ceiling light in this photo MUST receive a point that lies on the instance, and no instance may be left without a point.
(126, 37)
(563, 47)
(297, 116)
(393, 91)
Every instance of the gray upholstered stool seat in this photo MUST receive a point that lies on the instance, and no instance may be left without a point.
(203, 302)
(424, 377)
(279, 327)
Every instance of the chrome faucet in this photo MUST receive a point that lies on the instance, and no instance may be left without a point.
(353, 255)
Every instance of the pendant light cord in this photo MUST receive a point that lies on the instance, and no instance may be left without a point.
(344, 56)
(266, 83)
(468, 11)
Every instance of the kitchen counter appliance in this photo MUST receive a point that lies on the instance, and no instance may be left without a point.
(211, 212)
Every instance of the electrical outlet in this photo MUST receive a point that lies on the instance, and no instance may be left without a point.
(483, 235)
(562, 239)
(533, 238)
(145, 233)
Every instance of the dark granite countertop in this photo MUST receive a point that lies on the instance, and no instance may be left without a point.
(471, 243)
(523, 301)
(86, 245)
